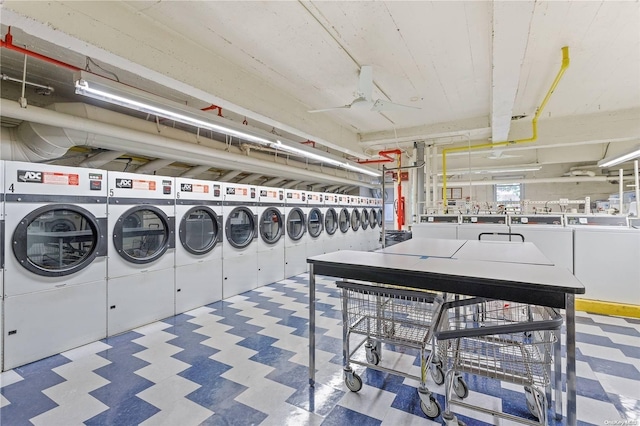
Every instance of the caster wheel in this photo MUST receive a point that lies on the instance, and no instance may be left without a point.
(437, 374)
(460, 388)
(432, 410)
(530, 394)
(353, 382)
(373, 357)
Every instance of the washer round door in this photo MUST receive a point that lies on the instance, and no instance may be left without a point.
(343, 220)
(271, 225)
(142, 234)
(315, 222)
(355, 219)
(200, 230)
(380, 218)
(373, 218)
(58, 240)
(365, 219)
(331, 221)
(240, 227)
(296, 224)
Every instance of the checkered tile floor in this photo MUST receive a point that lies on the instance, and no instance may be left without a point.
(243, 361)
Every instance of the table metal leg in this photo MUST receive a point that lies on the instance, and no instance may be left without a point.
(571, 359)
(557, 367)
(312, 327)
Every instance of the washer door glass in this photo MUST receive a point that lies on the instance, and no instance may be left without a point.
(56, 240)
(271, 225)
(141, 234)
(365, 219)
(240, 227)
(315, 222)
(343, 220)
(355, 219)
(331, 221)
(380, 217)
(373, 219)
(199, 230)
(295, 224)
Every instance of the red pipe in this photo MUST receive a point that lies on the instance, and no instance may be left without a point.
(385, 154)
(7, 43)
(309, 142)
(211, 107)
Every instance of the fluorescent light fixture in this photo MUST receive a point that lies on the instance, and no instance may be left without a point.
(621, 158)
(305, 153)
(116, 93)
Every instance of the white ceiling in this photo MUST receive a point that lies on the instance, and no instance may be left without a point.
(469, 66)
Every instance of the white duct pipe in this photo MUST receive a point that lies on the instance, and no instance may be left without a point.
(101, 158)
(194, 171)
(64, 131)
(153, 165)
(621, 189)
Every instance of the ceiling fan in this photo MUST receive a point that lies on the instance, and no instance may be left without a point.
(363, 100)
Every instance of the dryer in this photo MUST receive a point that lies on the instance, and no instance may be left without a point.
(331, 236)
(363, 239)
(355, 223)
(549, 234)
(605, 257)
(240, 250)
(372, 237)
(344, 223)
(141, 276)
(471, 226)
(55, 293)
(271, 230)
(295, 247)
(315, 224)
(1, 256)
(198, 253)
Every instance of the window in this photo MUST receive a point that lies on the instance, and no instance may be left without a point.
(510, 193)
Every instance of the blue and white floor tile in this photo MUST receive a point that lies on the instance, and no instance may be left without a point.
(243, 361)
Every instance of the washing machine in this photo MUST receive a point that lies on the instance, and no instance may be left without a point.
(141, 276)
(198, 253)
(605, 257)
(271, 230)
(549, 234)
(443, 226)
(295, 247)
(471, 226)
(315, 224)
(240, 250)
(331, 236)
(55, 293)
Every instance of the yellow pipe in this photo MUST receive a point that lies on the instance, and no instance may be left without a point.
(534, 125)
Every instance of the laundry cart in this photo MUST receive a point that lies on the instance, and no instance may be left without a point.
(389, 314)
(507, 341)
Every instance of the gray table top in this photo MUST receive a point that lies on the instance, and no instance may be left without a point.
(438, 247)
(502, 251)
(538, 283)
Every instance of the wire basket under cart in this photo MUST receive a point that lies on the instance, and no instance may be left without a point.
(389, 314)
(501, 340)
